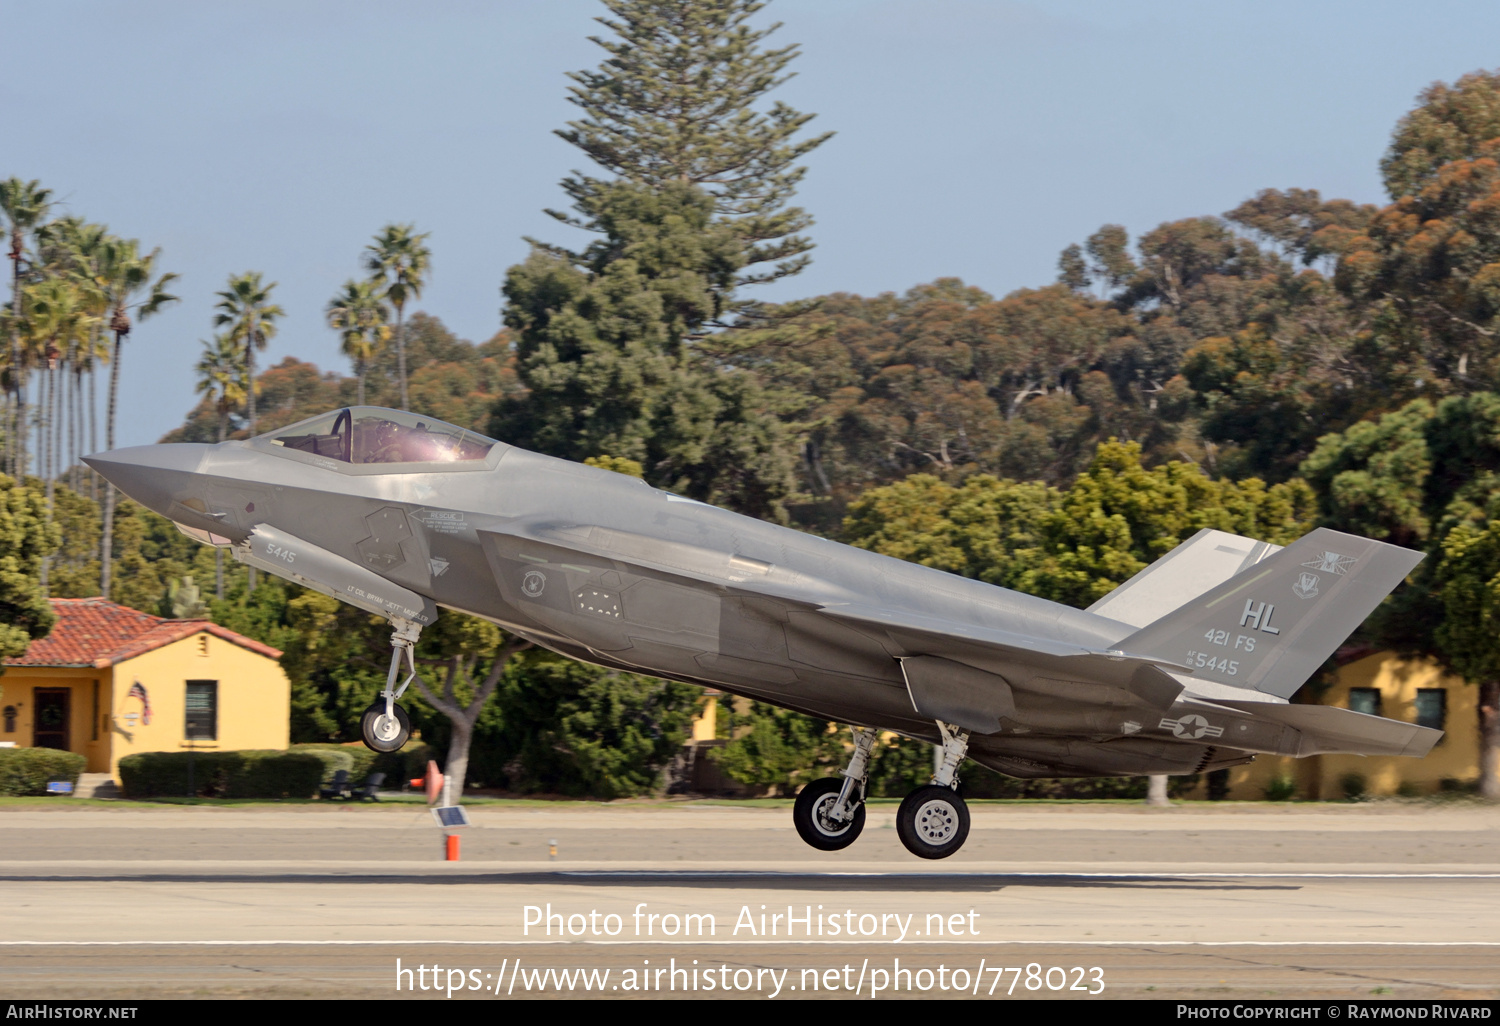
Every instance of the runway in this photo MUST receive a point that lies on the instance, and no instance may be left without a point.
(1195, 901)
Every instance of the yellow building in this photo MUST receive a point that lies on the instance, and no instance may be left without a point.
(109, 681)
(1384, 684)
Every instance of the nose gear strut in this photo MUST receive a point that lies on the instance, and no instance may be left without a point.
(385, 726)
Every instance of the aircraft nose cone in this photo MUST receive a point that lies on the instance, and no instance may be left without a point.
(152, 475)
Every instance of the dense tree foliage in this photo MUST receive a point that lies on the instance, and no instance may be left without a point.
(1071, 545)
(27, 537)
(676, 102)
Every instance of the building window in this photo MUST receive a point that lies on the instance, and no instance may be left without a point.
(1432, 708)
(10, 719)
(202, 711)
(1365, 700)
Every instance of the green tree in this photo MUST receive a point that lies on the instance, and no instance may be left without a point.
(1428, 476)
(400, 260)
(1449, 123)
(562, 727)
(676, 102)
(604, 349)
(359, 316)
(56, 321)
(1466, 583)
(25, 206)
(27, 537)
(125, 277)
(221, 379)
(772, 747)
(1077, 545)
(246, 310)
(473, 654)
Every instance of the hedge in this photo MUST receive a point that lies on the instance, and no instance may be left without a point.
(246, 774)
(25, 771)
(357, 759)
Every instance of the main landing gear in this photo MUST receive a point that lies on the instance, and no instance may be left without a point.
(385, 726)
(933, 821)
(830, 813)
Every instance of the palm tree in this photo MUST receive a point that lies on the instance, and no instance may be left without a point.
(24, 205)
(124, 275)
(57, 320)
(401, 261)
(74, 248)
(221, 370)
(360, 318)
(221, 376)
(245, 308)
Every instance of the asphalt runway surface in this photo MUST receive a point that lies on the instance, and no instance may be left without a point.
(699, 900)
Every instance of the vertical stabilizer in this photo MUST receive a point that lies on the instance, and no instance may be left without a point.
(1269, 627)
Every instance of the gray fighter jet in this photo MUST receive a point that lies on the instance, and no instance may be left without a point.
(1187, 667)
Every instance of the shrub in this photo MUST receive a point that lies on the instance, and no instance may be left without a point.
(332, 759)
(25, 771)
(1407, 789)
(1353, 785)
(246, 774)
(1281, 789)
(361, 760)
(406, 763)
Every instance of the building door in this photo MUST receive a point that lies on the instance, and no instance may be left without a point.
(50, 724)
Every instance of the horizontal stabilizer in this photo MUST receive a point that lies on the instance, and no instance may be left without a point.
(1327, 729)
(1269, 627)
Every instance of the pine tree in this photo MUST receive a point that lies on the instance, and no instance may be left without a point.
(676, 101)
(604, 347)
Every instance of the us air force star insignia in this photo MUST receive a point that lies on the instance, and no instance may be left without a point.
(1190, 727)
(1331, 563)
(533, 583)
(1306, 586)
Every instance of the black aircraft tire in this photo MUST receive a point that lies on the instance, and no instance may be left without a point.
(821, 795)
(933, 822)
(370, 720)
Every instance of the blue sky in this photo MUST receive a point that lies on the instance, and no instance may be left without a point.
(976, 138)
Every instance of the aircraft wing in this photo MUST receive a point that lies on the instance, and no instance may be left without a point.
(1001, 653)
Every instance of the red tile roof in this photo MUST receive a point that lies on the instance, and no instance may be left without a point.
(96, 632)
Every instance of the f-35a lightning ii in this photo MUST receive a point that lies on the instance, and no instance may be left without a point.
(1187, 667)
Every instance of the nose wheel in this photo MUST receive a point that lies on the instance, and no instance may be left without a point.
(382, 731)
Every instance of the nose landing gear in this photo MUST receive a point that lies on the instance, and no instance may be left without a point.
(385, 726)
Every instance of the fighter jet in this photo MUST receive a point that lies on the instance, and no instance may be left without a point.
(1187, 667)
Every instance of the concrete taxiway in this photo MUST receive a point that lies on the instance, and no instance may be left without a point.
(1194, 901)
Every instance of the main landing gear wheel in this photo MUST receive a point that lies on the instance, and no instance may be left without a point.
(385, 733)
(933, 822)
(811, 815)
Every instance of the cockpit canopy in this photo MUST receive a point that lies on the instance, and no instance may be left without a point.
(364, 435)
